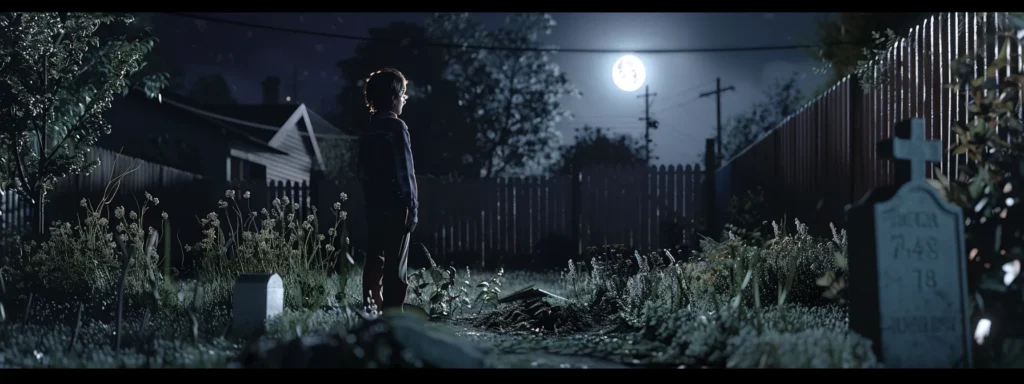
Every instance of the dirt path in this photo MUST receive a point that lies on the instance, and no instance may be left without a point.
(526, 350)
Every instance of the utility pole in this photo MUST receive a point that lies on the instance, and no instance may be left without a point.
(649, 124)
(718, 107)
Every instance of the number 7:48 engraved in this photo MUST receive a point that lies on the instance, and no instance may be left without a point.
(920, 249)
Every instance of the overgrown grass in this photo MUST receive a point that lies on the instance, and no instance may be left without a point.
(734, 303)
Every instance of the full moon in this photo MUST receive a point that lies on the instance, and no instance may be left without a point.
(628, 73)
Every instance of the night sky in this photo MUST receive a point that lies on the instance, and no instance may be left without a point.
(244, 56)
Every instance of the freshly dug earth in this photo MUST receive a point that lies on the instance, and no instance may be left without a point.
(537, 315)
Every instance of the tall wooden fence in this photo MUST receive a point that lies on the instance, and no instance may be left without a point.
(823, 157)
(63, 202)
(528, 221)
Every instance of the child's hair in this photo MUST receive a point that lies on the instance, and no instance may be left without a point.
(383, 89)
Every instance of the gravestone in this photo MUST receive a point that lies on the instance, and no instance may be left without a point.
(256, 297)
(907, 266)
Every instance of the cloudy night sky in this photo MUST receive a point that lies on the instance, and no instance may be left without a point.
(244, 56)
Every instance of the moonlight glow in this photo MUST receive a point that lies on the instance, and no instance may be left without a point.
(629, 73)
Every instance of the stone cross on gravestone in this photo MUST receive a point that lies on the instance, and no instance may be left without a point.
(256, 297)
(911, 150)
(907, 265)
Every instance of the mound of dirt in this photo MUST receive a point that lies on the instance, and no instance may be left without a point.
(390, 341)
(537, 315)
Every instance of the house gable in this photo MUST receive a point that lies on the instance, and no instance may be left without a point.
(301, 122)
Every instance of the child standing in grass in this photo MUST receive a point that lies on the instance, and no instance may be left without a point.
(389, 182)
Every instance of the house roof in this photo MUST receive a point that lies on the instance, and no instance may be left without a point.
(266, 119)
(268, 115)
(264, 123)
(259, 137)
(321, 127)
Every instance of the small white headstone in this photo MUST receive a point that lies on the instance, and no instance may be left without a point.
(256, 298)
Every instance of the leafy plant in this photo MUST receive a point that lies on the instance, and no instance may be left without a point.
(57, 77)
(876, 57)
(989, 185)
(489, 290)
(443, 296)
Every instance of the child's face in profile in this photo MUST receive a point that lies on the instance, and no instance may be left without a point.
(402, 98)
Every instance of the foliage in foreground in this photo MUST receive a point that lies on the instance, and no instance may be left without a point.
(114, 248)
(57, 78)
(274, 241)
(163, 340)
(989, 186)
(732, 304)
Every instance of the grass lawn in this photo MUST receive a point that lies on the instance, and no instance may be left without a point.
(735, 303)
(634, 327)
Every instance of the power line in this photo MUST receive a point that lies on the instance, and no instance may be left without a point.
(495, 47)
(680, 93)
(676, 105)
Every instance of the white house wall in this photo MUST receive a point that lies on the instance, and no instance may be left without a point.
(294, 166)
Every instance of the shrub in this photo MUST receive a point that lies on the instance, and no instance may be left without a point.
(273, 241)
(989, 185)
(442, 293)
(780, 337)
(84, 259)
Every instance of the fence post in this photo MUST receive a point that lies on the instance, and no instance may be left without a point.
(710, 226)
(576, 194)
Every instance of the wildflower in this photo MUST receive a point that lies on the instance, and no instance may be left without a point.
(343, 215)
(222, 204)
(156, 201)
(295, 206)
(246, 195)
(149, 197)
(84, 203)
(320, 237)
(337, 206)
(331, 231)
(163, 215)
(132, 215)
(119, 212)
(329, 248)
(344, 197)
(230, 194)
